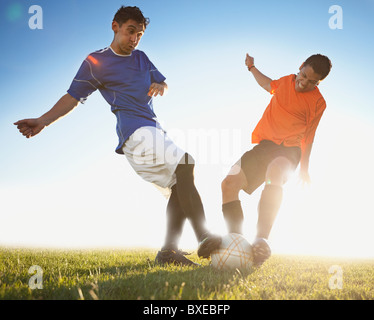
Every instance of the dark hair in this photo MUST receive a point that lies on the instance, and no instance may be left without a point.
(126, 13)
(320, 64)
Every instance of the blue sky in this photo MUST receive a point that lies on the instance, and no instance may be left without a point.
(69, 177)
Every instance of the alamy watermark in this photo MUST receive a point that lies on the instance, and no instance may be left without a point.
(36, 281)
(36, 20)
(212, 146)
(336, 20)
(336, 280)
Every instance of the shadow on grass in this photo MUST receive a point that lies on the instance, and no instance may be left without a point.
(126, 278)
(169, 282)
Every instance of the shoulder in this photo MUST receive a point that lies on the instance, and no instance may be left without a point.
(288, 78)
(317, 95)
(283, 81)
(102, 52)
(318, 101)
(98, 56)
(140, 54)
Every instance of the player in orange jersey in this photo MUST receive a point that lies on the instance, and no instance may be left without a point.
(284, 138)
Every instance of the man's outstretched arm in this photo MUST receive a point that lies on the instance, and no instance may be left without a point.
(261, 79)
(31, 127)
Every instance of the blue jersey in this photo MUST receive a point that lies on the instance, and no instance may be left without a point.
(124, 82)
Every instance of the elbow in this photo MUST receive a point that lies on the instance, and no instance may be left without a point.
(73, 102)
(267, 87)
(266, 84)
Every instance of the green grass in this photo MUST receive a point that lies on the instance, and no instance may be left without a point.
(132, 275)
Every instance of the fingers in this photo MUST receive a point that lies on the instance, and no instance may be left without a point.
(151, 90)
(20, 123)
(25, 128)
(152, 93)
(304, 181)
(155, 89)
(249, 60)
(26, 131)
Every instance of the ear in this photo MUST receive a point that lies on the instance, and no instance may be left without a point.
(115, 26)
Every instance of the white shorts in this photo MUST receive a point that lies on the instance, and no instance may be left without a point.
(154, 157)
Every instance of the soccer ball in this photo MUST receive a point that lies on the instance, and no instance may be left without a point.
(235, 252)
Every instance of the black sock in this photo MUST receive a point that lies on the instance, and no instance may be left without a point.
(175, 219)
(268, 207)
(189, 198)
(233, 214)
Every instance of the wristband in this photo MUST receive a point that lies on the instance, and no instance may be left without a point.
(252, 66)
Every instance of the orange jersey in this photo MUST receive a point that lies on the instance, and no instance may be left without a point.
(291, 117)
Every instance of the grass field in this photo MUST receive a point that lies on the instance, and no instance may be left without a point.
(132, 275)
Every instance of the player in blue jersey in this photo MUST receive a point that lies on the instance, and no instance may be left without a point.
(128, 81)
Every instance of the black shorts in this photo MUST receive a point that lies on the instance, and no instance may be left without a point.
(254, 163)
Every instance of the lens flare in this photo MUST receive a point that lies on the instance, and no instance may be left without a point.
(93, 60)
(14, 12)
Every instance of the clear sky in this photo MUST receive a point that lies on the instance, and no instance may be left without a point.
(68, 188)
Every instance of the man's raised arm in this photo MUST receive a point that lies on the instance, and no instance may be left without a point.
(261, 79)
(31, 127)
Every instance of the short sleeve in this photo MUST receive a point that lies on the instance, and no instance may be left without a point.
(156, 76)
(274, 84)
(84, 82)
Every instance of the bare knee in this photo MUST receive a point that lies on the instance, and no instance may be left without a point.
(231, 186)
(278, 171)
(230, 183)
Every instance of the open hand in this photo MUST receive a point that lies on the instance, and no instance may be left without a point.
(156, 89)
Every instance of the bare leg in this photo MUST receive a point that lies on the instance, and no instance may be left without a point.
(271, 197)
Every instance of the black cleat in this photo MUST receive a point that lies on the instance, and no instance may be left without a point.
(177, 257)
(210, 243)
(261, 251)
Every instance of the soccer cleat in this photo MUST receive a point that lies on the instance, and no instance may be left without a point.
(210, 243)
(177, 257)
(261, 251)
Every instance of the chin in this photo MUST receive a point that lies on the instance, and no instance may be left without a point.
(298, 89)
(126, 51)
